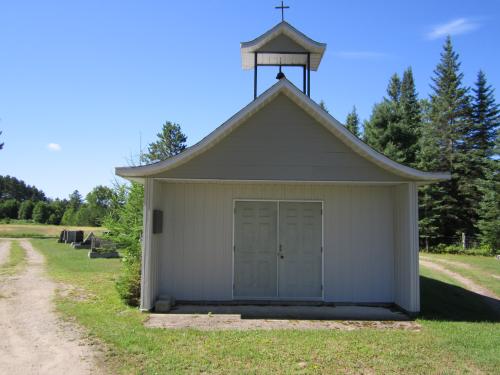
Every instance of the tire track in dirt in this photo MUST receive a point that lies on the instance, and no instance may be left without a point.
(4, 251)
(460, 265)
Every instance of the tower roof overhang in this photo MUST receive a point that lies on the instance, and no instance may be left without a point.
(282, 45)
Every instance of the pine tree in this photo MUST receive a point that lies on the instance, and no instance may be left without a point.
(352, 122)
(489, 208)
(394, 88)
(486, 121)
(443, 148)
(485, 116)
(171, 141)
(393, 126)
(411, 117)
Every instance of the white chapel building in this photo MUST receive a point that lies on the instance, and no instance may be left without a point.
(281, 203)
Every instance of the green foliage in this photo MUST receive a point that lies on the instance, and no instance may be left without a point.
(41, 212)
(69, 217)
(458, 249)
(98, 204)
(125, 217)
(448, 211)
(455, 333)
(75, 200)
(12, 188)
(124, 223)
(83, 216)
(489, 208)
(393, 127)
(9, 209)
(485, 117)
(171, 141)
(352, 122)
(128, 284)
(26, 210)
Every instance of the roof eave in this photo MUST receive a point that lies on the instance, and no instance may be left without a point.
(286, 87)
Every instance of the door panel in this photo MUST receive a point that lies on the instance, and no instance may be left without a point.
(255, 240)
(300, 252)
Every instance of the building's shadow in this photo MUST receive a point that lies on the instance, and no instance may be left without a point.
(442, 301)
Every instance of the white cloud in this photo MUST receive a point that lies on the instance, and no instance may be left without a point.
(54, 147)
(360, 55)
(454, 27)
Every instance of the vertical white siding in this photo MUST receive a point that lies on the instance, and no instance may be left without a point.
(151, 245)
(195, 255)
(407, 293)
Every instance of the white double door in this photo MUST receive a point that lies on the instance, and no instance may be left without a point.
(278, 250)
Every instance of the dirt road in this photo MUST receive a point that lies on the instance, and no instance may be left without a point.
(4, 251)
(33, 338)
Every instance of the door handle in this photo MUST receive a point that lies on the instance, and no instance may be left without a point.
(280, 252)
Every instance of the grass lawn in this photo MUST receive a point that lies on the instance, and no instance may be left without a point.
(16, 259)
(457, 334)
(15, 230)
(482, 269)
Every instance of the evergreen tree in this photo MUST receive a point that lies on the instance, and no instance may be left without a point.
(124, 219)
(13, 188)
(394, 88)
(381, 131)
(352, 122)
(171, 141)
(442, 148)
(489, 208)
(411, 118)
(75, 200)
(485, 117)
(393, 127)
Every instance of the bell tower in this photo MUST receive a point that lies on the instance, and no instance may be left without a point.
(281, 46)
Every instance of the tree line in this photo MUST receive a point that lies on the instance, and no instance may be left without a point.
(19, 201)
(455, 129)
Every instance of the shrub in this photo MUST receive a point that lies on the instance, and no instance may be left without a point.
(458, 249)
(129, 284)
(124, 223)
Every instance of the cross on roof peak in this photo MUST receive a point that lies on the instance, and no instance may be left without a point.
(282, 7)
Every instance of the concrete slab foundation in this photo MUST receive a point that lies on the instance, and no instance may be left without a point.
(213, 317)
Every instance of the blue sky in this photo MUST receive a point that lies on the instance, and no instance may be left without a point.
(82, 82)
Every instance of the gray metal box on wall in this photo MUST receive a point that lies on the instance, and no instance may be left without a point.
(157, 221)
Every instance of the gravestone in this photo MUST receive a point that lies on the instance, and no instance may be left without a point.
(101, 248)
(86, 243)
(62, 236)
(74, 236)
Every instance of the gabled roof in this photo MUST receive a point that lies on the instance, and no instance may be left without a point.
(287, 88)
(306, 45)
